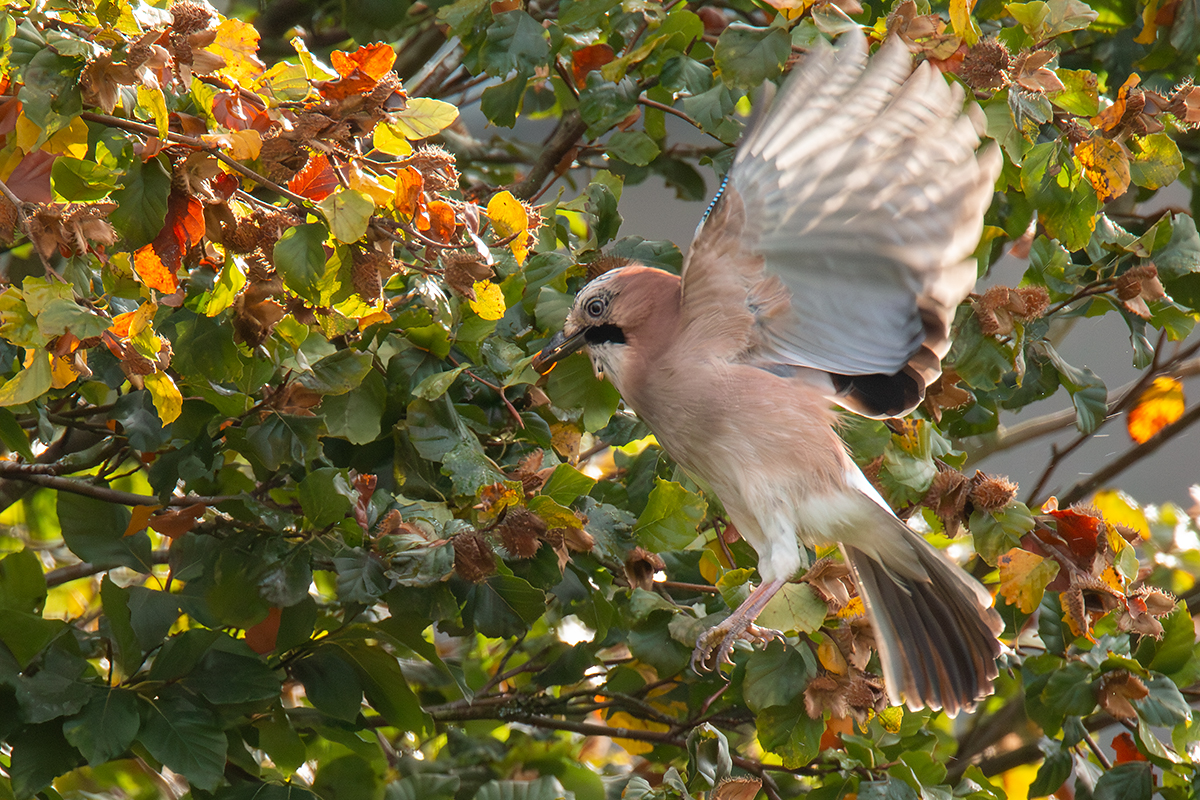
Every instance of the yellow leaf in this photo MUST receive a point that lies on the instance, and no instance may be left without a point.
(70, 141)
(1024, 577)
(371, 319)
(1156, 408)
(1149, 24)
(388, 140)
(380, 188)
(140, 519)
(26, 134)
(831, 657)
(154, 103)
(62, 374)
(1119, 508)
(168, 401)
(489, 301)
(1106, 165)
(423, 117)
(621, 719)
(30, 383)
(141, 319)
(238, 145)
(237, 43)
(960, 18)
(509, 219)
(891, 717)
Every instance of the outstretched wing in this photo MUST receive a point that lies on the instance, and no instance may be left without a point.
(842, 240)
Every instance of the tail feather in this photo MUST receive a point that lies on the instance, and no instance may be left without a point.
(935, 628)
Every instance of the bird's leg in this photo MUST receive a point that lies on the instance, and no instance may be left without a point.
(714, 646)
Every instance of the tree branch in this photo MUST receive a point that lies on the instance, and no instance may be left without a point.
(23, 472)
(570, 129)
(57, 577)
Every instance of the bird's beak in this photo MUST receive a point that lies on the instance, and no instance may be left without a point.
(559, 348)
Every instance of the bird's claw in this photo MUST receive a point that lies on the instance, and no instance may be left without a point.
(714, 647)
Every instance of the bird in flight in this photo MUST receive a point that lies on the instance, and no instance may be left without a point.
(827, 271)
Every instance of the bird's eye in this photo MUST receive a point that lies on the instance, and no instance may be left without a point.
(595, 307)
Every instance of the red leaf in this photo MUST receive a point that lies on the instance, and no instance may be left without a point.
(316, 181)
(408, 191)
(230, 110)
(30, 181)
(1080, 530)
(157, 262)
(1125, 749)
(589, 58)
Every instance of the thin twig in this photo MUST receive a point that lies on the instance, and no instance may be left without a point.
(26, 473)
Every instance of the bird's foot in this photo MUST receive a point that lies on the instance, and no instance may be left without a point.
(715, 645)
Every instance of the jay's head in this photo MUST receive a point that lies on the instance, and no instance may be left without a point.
(620, 315)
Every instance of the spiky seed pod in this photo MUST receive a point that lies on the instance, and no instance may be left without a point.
(865, 696)
(189, 17)
(640, 567)
(1115, 691)
(390, 524)
(991, 493)
(947, 498)
(986, 65)
(463, 269)
(1158, 603)
(437, 167)
(1036, 300)
(521, 531)
(8, 220)
(387, 85)
(366, 273)
(137, 55)
(245, 237)
(474, 560)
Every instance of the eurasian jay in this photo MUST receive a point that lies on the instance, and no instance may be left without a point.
(828, 270)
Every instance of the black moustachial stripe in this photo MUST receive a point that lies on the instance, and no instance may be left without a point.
(604, 334)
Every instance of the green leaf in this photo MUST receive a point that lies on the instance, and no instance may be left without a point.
(1129, 781)
(40, 753)
(22, 582)
(327, 496)
(671, 517)
(501, 101)
(1181, 256)
(77, 181)
(300, 259)
(795, 607)
(504, 606)
(141, 203)
(186, 738)
(338, 373)
(95, 531)
(746, 57)
(515, 40)
(437, 384)
(567, 484)
(1156, 161)
(128, 652)
(355, 416)
(602, 205)
(1080, 94)
(776, 676)
(348, 213)
(633, 147)
(1172, 652)
(27, 634)
(603, 104)
(360, 577)
(14, 436)
(1164, 706)
(789, 732)
(1088, 392)
(330, 683)
(105, 727)
(572, 385)
(29, 384)
(279, 740)
(223, 678)
(385, 687)
(1055, 769)
(546, 787)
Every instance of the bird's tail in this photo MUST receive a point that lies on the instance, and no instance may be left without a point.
(935, 628)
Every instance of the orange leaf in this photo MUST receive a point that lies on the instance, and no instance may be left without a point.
(441, 221)
(589, 58)
(231, 110)
(157, 262)
(139, 519)
(262, 637)
(1081, 532)
(1110, 118)
(237, 43)
(177, 522)
(372, 60)
(316, 181)
(1156, 408)
(408, 191)
(120, 324)
(1106, 164)
(1125, 749)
